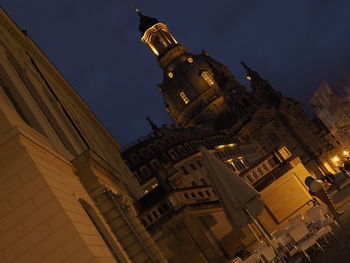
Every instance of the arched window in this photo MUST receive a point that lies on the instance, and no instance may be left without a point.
(102, 230)
(208, 77)
(145, 171)
(184, 97)
(181, 150)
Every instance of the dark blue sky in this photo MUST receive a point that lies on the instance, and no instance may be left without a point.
(96, 45)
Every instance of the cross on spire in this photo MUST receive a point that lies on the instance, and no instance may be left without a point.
(137, 10)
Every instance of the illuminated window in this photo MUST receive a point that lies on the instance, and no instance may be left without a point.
(208, 77)
(184, 98)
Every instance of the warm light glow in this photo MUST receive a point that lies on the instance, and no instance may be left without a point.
(184, 98)
(157, 38)
(190, 60)
(208, 77)
(336, 159)
(146, 191)
(225, 145)
(346, 153)
(170, 75)
(154, 186)
(249, 77)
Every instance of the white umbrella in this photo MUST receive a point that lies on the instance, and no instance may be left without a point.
(241, 202)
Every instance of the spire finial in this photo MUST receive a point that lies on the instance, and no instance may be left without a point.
(153, 126)
(137, 10)
(244, 65)
(251, 74)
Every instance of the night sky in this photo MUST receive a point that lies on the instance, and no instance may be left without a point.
(96, 45)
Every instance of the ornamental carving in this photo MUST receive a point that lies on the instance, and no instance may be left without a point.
(122, 200)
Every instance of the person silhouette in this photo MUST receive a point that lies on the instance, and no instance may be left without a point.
(317, 189)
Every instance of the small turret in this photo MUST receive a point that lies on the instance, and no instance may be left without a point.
(262, 89)
(152, 124)
(155, 34)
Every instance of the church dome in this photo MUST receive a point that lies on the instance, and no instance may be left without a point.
(189, 89)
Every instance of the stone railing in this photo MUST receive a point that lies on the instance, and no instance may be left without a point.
(175, 200)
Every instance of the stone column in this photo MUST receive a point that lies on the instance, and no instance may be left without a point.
(125, 206)
(117, 208)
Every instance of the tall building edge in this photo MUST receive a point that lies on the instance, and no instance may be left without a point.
(65, 193)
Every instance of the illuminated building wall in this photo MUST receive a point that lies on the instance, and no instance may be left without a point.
(65, 193)
(332, 105)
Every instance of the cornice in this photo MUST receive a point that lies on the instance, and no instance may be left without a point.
(28, 44)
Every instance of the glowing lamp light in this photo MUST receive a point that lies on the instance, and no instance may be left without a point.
(345, 153)
(225, 145)
(249, 77)
(170, 75)
(220, 146)
(336, 159)
(190, 60)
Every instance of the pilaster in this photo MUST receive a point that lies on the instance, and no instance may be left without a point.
(104, 186)
(41, 219)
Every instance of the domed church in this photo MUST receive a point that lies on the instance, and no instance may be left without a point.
(263, 137)
(191, 87)
(199, 92)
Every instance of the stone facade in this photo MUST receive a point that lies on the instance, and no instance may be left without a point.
(188, 223)
(199, 92)
(265, 138)
(65, 193)
(169, 156)
(331, 105)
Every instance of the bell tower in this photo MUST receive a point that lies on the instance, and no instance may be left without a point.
(158, 38)
(262, 89)
(197, 90)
